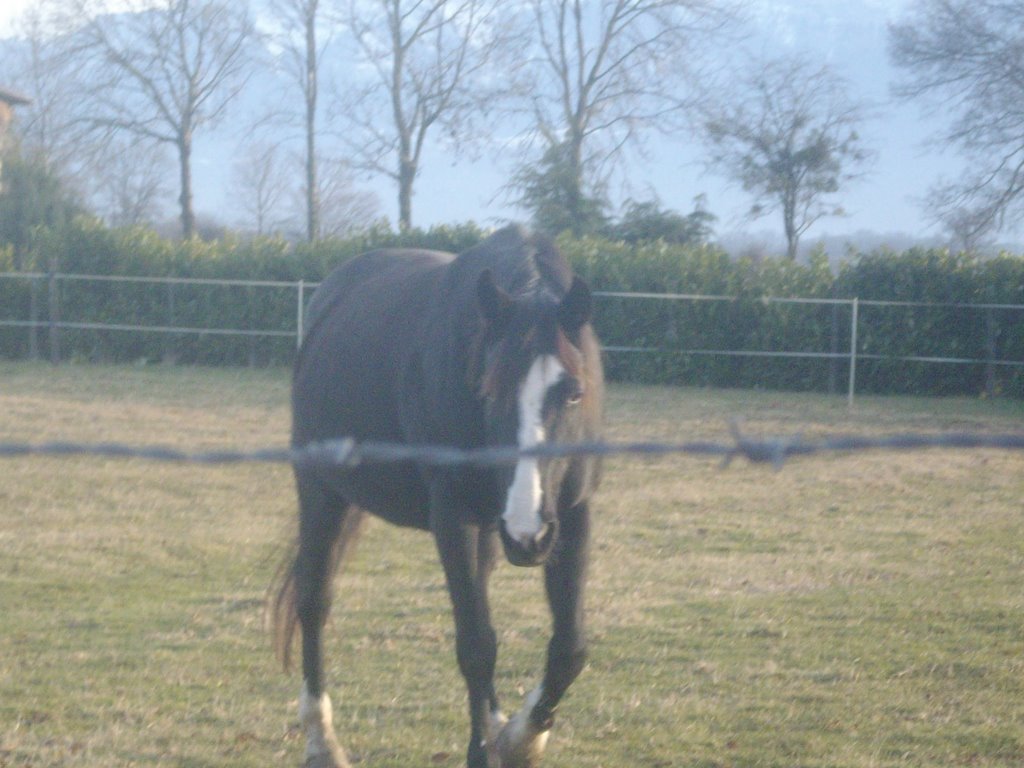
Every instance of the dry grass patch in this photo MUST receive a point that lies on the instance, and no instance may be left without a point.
(853, 611)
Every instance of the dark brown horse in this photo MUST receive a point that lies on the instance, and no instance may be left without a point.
(490, 348)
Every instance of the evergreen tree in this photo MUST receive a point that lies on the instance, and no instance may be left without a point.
(31, 199)
(556, 199)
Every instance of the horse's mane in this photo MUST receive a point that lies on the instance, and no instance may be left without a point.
(522, 262)
(528, 266)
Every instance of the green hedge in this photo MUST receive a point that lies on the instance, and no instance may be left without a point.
(744, 324)
(917, 276)
(677, 330)
(88, 248)
(936, 276)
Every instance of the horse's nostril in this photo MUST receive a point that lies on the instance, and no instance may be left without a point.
(529, 550)
(544, 537)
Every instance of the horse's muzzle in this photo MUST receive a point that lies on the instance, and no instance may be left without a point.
(531, 553)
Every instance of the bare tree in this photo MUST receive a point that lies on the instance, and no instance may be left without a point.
(132, 186)
(604, 70)
(965, 59)
(788, 133)
(346, 209)
(260, 183)
(161, 71)
(425, 59)
(966, 233)
(42, 66)
(300, 21)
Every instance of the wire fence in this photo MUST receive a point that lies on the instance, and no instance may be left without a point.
(273, 312)
(349, 453)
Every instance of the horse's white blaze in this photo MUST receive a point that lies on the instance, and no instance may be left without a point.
(522, 506)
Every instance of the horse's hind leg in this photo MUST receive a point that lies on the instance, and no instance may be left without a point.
(328, 530)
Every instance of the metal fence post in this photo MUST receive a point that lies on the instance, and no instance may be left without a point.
(833, 363)
(33, 319)
(853, 353)
(300, 314)
(54, 320)
(170, 348)
(248, 325)
(991, 349)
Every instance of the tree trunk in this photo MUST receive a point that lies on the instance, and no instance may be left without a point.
(188, 218)
(575, 201)
(406, 176)
(789, 223)
(312, 183)
(792, 241)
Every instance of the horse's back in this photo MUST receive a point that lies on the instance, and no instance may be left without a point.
(363, 321)
(368, 273)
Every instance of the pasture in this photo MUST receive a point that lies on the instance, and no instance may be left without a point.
(855, 611)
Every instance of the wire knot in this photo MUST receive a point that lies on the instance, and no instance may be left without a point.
(765, 451)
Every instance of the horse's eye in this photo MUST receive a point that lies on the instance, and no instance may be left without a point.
(573, 391)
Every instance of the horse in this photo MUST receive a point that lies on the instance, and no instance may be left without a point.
(493, 347)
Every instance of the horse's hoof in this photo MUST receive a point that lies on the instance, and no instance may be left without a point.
(326, 760)
(334, 757)
(521, 743)
(495, 726)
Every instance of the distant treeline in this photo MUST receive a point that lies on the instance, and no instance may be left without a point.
(680, 331)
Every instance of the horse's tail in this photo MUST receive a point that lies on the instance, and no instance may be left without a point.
(281, 611)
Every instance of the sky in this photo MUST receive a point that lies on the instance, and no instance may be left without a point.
(9, 11)
(850, 34)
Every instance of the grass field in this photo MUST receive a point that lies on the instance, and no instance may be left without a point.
(853, 611)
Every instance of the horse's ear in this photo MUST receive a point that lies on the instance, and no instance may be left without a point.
(574, 311)
(495, 304)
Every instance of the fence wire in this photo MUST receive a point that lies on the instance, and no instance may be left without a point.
(347, 452)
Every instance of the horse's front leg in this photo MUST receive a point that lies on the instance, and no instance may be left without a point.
(521, 743)
(467, 554)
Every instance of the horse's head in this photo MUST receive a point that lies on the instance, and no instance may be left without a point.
(534, 382)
